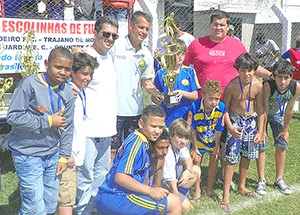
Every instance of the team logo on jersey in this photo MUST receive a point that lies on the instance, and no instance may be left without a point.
(41, 109)
(185, 82)
(217, 53)
(142, 63)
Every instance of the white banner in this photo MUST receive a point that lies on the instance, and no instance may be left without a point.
(49, 34)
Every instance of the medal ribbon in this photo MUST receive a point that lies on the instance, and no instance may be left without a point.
(176, 161)
(279, 103)
(209, 121)
(83, 100)
(151, 184)
(51, 96)
(247, 106)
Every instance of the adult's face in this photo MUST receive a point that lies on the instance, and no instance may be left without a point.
(101, 43)
(140, 30)
(218, 29)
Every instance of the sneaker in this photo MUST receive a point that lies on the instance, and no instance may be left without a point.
(261, 187)
(221, 181)
(282, 187)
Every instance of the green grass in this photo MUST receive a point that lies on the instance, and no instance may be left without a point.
(274, 202)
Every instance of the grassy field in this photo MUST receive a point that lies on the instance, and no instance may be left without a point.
(273, 203)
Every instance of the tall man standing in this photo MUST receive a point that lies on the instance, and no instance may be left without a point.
(134, 66)
(213, 56)
(101, 118)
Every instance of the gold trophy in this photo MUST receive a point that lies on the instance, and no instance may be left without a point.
(29, 60)
(168, 61)
(6, 84)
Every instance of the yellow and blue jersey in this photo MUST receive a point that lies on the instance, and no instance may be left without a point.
(206, 124)
(133, 158)
(186, 80)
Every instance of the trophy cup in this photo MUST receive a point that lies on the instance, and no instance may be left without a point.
(168, 61)
(6, 84)
(28, 61)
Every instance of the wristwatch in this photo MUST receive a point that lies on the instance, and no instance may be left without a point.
(159, 97)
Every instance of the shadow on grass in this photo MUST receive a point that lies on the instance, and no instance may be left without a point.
(13, 201)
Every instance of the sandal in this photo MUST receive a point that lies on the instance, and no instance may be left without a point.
(227, 205)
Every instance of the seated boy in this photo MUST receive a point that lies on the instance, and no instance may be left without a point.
(41, 105)
(158, 151)
(280, 94)
(126, 189)
(82, 74)
(207, 121)
(186, 86)
(242, 96)
(179, 173)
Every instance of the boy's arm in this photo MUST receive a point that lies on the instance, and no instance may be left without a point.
(288, 115)
(194, 151)
(185, 176)
(217, 142)
(158, 174)
(260, 112)
(192, 96)
(262, 72)
(227, 96)
(266, 96)
(130, 183)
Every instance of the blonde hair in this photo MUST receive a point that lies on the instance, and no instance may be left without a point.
(180, 127)
(212, 86)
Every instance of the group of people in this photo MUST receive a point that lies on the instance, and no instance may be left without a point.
(83, 10)
(82, 140)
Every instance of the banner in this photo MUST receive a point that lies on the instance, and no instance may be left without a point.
(49, 34)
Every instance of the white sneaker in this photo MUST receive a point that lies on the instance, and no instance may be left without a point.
(221, 181)
(261, 187)
(282, 187)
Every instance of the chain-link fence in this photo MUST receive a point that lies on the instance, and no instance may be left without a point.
(248, 17)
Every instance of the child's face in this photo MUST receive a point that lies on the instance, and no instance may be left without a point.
(83, 77)
(160, 149)
(245, 75)
(152, 128)
(211, 100)
(282, 81)
(179, 141)
(58, 70)
(180, 58)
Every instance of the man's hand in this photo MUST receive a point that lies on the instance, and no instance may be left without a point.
(61, 167)
(58, 121)
(159, 193)
(284, 135)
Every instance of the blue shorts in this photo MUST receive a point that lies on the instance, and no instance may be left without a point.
(125, 126)
(244, 145)
(38, 183)
(131, 204)
(276, 126)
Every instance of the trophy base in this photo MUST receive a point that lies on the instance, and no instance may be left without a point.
(171, 101)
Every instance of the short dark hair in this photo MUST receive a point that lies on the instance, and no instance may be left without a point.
(83, 60)
(105, 19)
(164, 136)
(220, 14)
(137, 14)
(61, 52)
(282, 66)
(246, 61)
(152, 110)
(260, 36)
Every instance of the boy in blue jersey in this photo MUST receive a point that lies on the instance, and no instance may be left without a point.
(244, 118)
(82, 74)
(126, 189)
(280, 94)
(186, 86)
(206, 115)
(41, 106)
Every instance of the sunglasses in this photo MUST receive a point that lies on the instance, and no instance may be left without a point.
(107, 35)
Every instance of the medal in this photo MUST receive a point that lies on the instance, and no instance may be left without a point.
(281, 118)
(247, 106)
(83, 100)
(207, 122)
(205, 138)
(84, 117)
(281, 110)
